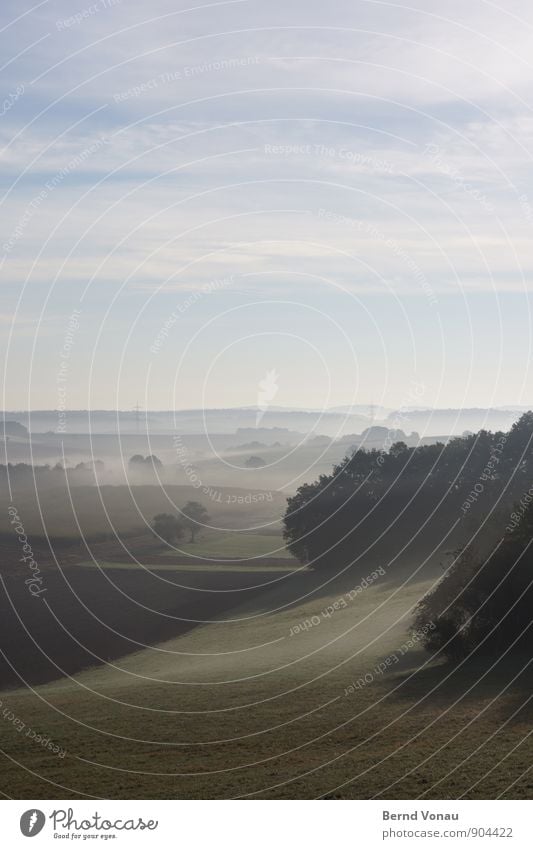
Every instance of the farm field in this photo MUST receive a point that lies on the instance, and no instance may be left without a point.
(220, 568)
(116, 510)
(232, 545)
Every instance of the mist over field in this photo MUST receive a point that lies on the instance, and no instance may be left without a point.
(266, 438)
(192, 574)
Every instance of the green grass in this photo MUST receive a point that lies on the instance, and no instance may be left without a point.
(242, 708)
(191, 567)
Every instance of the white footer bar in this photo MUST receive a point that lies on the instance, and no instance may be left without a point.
(257, 824)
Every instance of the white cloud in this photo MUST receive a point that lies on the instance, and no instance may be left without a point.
(412, 128)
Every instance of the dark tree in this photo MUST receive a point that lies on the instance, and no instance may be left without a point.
(151, 463)
(168, 527)
(254, 462)
(484, 603)
(380, 501)
(154, 461)
(194, 517)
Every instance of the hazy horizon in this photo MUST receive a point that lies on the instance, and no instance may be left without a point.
(251, 407)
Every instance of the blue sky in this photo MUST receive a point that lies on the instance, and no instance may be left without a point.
(341, 192)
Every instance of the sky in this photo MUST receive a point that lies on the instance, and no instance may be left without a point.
(198, 195)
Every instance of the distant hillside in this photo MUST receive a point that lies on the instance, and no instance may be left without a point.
(222, 421)
(13, 428)
(254, 425)
(453, 422)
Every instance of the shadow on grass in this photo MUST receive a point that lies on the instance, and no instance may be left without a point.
(480, 679)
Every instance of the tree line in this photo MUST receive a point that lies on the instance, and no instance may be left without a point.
(473, 493)
(172, 527)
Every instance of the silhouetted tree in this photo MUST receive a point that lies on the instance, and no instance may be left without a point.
(254, 462)
(140, 463)
(168, 527)
(154, 461)
(484, 603)
(380, 500)
(194, 517)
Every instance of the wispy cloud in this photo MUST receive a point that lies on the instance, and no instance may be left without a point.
(368, 149)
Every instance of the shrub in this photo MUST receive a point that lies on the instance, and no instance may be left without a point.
(484, 603)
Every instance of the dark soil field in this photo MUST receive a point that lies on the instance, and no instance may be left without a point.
(88, 615)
